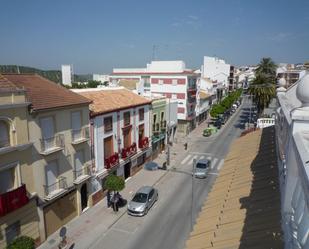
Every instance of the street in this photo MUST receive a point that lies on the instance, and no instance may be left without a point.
(169, 222)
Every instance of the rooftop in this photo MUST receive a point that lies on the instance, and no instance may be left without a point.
(243, 208)
(44, 94)
(112, 99)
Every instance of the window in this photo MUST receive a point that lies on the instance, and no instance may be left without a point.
(4, 134)
(174, 96)
(151, 194)
(51, 177)
(162, 116)
(154, 118)
(12, 231)
(141, 114)
(7, 180)
(126, 118)
(160, 82)
(174, 82)
(76, 125)
(108, 124)
(48, 132)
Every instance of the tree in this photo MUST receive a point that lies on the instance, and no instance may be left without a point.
(93, 83)
(262, 91)
(114, 183)
(267, 68)
(22, 242)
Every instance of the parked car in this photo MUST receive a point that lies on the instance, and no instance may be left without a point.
(142, 201)
(201, 168)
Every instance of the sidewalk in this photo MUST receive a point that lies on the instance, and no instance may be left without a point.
(84, 230)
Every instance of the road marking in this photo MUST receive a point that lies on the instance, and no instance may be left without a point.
(201, 153)
(214, 162)
(122, 230)
(213, 174)
(186, 159)
(220, 164)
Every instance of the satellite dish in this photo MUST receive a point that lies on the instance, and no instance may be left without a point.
(63, 231)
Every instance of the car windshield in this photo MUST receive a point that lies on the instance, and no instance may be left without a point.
(201, 165)
(140, 197)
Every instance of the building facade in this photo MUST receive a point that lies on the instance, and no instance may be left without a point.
(59, 130)
(18, 211)
(158, 125)
(170, 79)
(67, 74)
(120, 134)
(292, 129)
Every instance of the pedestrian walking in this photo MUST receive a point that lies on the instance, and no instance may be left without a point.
(108, 197)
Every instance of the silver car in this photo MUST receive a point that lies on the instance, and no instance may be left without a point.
(142, 201)
(201, 168)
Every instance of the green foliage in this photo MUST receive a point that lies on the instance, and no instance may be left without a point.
(53, 75)
(93, 84)
(114, 183)
(225, 104)
(22, 242)
(262, 87)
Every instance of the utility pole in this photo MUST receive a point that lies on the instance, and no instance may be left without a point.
(168, 135)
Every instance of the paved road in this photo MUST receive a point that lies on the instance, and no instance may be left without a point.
(168, 224)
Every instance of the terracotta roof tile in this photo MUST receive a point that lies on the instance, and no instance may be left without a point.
(111, 100)
(6, 85)
(45, 94)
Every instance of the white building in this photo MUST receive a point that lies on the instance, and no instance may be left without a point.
(170, 79)
(290, 73)
(67, 74)
(100, 77)
(120, 131)
(292, 129)
(218, 71)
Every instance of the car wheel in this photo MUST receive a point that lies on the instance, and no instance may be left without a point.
(146, 211)
(157, 197)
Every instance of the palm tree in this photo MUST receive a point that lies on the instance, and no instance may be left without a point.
(262, 91)
(266, 67)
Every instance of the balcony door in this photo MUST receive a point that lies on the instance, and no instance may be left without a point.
(141, 132)
(76, 125)
(79, 162)
(127, 137)
(51, 177)
(48, 132)
(7, 180)
(108, 147)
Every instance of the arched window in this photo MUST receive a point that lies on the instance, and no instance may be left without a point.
(4, 134)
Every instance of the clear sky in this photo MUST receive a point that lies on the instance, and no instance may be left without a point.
(98, 35)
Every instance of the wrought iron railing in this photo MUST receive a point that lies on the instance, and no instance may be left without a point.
(61, 183)
(48, 144)
(80, 134)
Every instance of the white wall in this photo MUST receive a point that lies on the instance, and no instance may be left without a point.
(216, 69)
(166, 66)
(67, 73)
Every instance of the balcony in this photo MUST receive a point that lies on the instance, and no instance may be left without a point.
(143, 143)
(83, 174)
(111, 161)
(127, 152)
(163, 126)
(13, 200)
(52, 144)
(80, 135)
(156, 128)
(55, 189)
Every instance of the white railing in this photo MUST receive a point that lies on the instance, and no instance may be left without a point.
(265, 122)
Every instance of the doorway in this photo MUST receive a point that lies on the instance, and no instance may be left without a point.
(84, 196)
(127, 170)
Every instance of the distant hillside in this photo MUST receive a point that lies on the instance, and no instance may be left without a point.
(53, 75)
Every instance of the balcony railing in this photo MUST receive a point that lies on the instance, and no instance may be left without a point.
(56, 187)
(126, 152)
(80, 135)
(111, 161)
(143, 143)
(49, 145)
(13, 200)
(84, 171)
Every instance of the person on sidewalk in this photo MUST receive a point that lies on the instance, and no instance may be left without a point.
(108, 198)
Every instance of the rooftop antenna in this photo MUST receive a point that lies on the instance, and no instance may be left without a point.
(154, 48)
